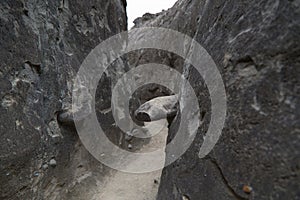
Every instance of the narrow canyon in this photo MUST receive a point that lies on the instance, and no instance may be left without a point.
(255, 46)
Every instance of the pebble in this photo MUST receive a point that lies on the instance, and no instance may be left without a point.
(36, 174)
(129, 146)
(45, 166)
(247, 189)
(52, 163)
(128, 136)
(185, 198)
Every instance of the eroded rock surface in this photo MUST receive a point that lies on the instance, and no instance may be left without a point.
(43, 44)
(255, 45)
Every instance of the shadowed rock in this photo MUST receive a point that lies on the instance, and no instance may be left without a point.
(42, 46)
(66, 118)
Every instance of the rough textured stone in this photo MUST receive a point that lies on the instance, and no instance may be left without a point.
(255, 45)
(42, 46)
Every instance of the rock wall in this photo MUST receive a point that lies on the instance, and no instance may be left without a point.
(42, 45)
(255, 45)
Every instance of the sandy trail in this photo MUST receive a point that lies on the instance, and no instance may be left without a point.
(128, 186)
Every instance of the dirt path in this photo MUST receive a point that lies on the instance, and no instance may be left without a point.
(127, 186)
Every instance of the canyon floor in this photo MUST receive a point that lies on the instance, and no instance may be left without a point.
(128, 186)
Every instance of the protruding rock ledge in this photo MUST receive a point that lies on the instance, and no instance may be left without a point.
(157, 109)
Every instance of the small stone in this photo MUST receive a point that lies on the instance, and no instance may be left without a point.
(52, 163)
(36, 174)
(129, 146)
(249, 71)
(128, 136)
(45, 166)
(54, 130)
(247, 189)
(185, 197)
(18, 123)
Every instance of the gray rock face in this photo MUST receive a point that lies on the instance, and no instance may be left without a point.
(255, 45)
(43, 43)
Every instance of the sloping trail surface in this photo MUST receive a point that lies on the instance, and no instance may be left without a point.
(128, 186)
